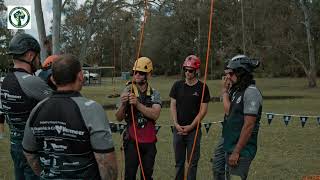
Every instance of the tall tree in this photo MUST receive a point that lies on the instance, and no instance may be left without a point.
(56, 8)
(41, 28)
(5, 37)
(311, 74)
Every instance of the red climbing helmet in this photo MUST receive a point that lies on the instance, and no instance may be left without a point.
(192, 61)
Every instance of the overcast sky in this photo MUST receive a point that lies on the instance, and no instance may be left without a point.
(47, 13)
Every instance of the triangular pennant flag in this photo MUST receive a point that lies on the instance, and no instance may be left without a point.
(157, 128)
(207, 126)
(318, 119)
(113, 127)
(303, 120)
(270, 117)
(172, 128)
(122, 127)
(286, 119)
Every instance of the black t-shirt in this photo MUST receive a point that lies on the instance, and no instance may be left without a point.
(188, 100)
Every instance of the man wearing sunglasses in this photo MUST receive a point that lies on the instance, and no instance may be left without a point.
(146, 103)
(186, 111)
(243, 106)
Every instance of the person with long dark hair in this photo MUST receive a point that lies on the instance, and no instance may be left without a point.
(244, 107)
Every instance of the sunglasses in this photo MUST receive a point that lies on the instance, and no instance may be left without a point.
(189, 70)
(230, 73)
(140, 73)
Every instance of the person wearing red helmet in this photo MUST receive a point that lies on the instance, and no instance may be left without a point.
(186, 111)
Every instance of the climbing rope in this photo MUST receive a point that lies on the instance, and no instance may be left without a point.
(203, 89)
(135, 66)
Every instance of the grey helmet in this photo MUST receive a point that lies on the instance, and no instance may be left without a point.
(22, 43)
(242, 61)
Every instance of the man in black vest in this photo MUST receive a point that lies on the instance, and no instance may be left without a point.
(243, 107)
(68, 136)
(20, 92)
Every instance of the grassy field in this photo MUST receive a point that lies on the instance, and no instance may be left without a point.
(284, 153)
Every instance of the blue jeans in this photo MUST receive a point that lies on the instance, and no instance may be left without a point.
(181, 145)
(22, 170)
(219, 161)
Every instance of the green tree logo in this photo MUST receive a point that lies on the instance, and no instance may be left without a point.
(19, 17)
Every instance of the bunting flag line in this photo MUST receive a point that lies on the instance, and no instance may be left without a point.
(172, 128)
(157, 128)
(303, 120)
(119, 127)
(270, 116)
(286, 119)
(114, 127)
(122, 127)
(207, 126)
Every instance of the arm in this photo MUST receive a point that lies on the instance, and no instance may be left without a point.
(120, 113)
(34, 163)
(152, 113)
(35, 87)
(225, 95)
(173, 110)
(107, 164)
(30, 146)
(203, 111)
(246, 131)
(226, 102)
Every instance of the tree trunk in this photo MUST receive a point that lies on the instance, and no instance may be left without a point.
(199, 32)
(243, 29)
(312, 76)
(41, 28)
(88, 32)
(56, 8)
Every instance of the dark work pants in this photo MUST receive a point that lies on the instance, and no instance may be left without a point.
(181, 145)
(22, 170)
(240, 172)
(148, 153)
(219, 161)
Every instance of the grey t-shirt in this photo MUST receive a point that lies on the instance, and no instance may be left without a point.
(252, 101)
(20, 92)
(65, 130)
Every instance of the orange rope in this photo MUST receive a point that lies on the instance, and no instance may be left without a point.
(203, 88)
(135, 66)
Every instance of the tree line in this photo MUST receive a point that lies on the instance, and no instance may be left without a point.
(283, 34)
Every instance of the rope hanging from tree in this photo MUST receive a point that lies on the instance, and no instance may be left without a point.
(203, 88)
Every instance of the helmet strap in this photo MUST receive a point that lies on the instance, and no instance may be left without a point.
(32, 65)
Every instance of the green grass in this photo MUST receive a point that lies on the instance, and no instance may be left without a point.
(286, 153)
